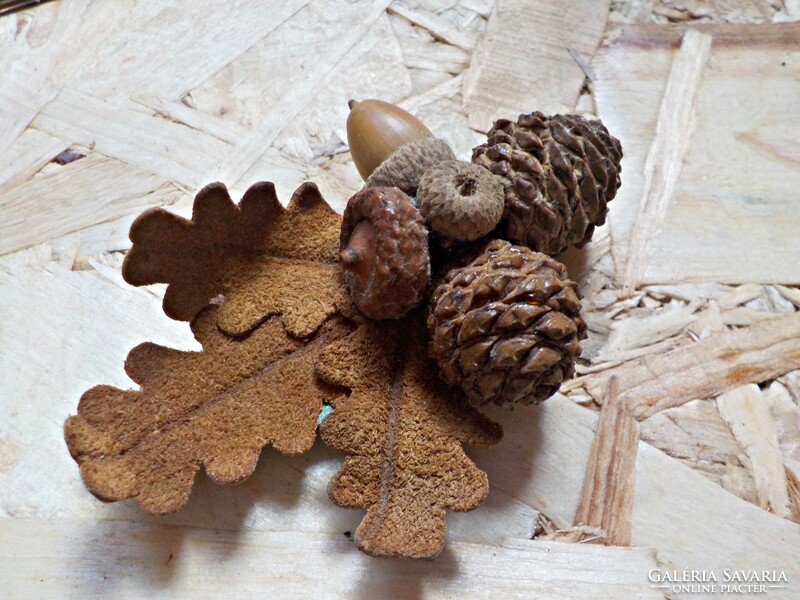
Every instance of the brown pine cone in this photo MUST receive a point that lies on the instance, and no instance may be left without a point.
(559, 174)
(506, 327)
(384, 253)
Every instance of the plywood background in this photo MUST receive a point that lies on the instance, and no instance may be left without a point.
(691, 290)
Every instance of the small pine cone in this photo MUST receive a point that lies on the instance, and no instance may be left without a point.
(560, 172)
(404, 167)
(460, 201)
(384, 253)
(506, 327)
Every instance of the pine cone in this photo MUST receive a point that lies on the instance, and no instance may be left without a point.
(506, 327)
(559, 174)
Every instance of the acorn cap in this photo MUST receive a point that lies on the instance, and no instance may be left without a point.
(460, 201)
(405, 167)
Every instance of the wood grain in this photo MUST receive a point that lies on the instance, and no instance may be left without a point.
(522, 63)
(125, 559)
(674, 129)
(731, 215)
(162, 99)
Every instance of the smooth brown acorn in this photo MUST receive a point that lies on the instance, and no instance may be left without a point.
(375, 129)
(390, 146)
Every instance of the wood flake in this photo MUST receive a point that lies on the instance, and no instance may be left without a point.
(439, 27)
(670, 143)
(790, 293)
(134, 60)
(680, 513)
(92, 190)
(606, 500)
(707, 368)
(343, 51)
(715, 229)
(29, 153)
(746, 412)
(695, 434)
(125, 131)
(637, 332)
(786, 417)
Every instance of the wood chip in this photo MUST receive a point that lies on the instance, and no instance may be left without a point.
(747, 414)
(606, 500)
(441, 28)
(636, 332)
(663, 165)
(707, 368)
(708, 321)
(786, 416)
(344, 49)
(123, 131)
(72, 197)
(29, 153)
(794, 493)
(714, 230)
(685, 517)
(792, 294)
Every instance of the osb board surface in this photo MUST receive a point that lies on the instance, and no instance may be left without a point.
(161, 99)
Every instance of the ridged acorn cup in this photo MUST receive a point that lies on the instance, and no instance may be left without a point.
(559, 174)
(407, 165)
(384, 253)
(460, 201)
(391, 147)
(506, 327)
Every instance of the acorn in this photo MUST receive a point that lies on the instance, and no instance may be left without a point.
(391, 147)
(384, 253)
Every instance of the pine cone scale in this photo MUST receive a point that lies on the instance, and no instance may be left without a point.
(540, 359)
(510, 352)
(556, 326)
(521, 315)
(476, 355)
(477, 323)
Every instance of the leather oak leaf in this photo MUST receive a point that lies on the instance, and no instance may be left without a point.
(263, 258)
(403, 432)
(216, 408)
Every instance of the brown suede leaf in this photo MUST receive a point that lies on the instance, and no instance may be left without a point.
(265, 259)
(403, 432)
(217, 408)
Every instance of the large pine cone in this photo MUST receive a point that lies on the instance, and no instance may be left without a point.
(559, 173)
(506, 327)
